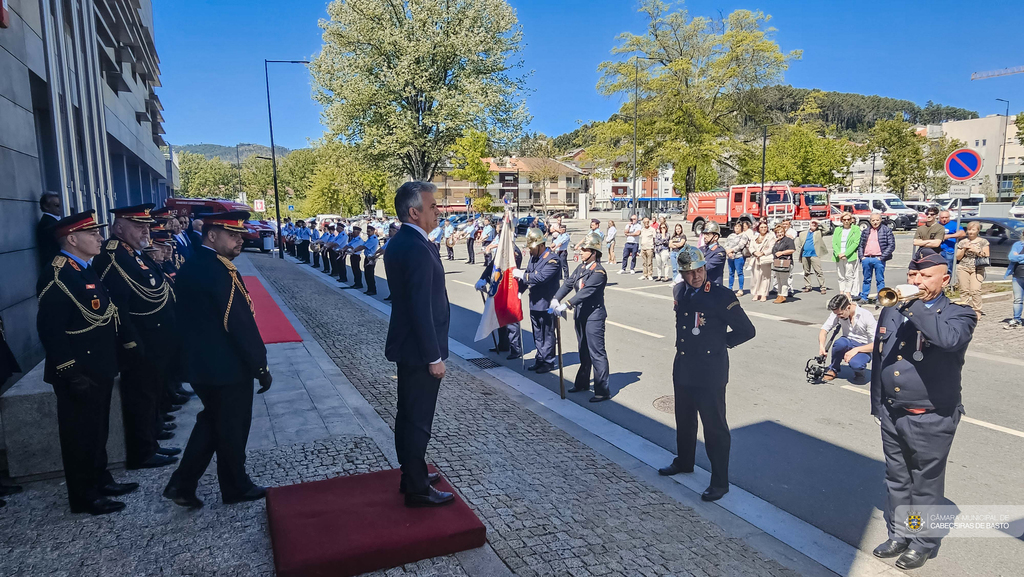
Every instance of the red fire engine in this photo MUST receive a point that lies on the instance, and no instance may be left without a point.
(742, 202)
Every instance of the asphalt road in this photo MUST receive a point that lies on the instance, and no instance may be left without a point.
(811, 450)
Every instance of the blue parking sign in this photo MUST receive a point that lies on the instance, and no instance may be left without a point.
(291, 207)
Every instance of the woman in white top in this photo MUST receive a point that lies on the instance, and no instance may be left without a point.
(761, 254)
(609, 241)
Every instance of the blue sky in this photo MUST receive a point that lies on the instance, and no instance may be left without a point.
(211, 57)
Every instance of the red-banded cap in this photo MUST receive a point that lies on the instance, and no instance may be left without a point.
(233, 221)
(137, 213)
(77, 223)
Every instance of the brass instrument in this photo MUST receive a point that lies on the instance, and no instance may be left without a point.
(888, 296)
(450, 241)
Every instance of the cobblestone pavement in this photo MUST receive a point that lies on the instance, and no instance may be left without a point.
(552, 505)
(990, 336)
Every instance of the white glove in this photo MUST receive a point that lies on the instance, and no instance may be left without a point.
(561, 308)
(554, 304)
(518, 273)
(480, 284)
(878, 421)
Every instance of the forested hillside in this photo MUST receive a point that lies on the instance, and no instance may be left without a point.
(227, 153)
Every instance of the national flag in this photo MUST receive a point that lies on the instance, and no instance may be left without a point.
(503, 306)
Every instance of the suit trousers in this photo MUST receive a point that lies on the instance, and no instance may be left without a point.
(916, 448)
(357, 273)
(709, 404)
(472, 255)
(141, 390)
(222, 427)
(590, 332)
(417, 400)
(83, 420)
(809, 264)
(543, 336)
(341, 269)
(328, 261)
(508, 339)
(371, 279)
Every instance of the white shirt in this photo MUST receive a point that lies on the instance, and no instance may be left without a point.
(610, 235)
(632, 231)
(860, 330)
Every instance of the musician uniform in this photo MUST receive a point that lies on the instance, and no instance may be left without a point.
(543, 276)
(370, 257)
(354, 246)
(449, 240)
(328, 254)
(314, 237)
(589, 314)
(302, 238)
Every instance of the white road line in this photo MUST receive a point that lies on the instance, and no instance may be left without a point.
(989, 357)
(965, 418)
(631, 291)
(463, 282)
(629, 328)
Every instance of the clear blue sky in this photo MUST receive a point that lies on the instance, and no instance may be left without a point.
(212, 53)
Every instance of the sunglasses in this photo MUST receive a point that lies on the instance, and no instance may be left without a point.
(847, 220)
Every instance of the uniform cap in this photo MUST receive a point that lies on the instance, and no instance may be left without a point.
(927, 259)
(137, 213)
(690, 258)
(164, 212)
(160, 236)
(233, 221)
(534, 238)
(77, 223)
(592, 242)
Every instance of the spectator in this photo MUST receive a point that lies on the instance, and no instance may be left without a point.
(969, 273)
(735, 245)
(595, 226)
(675, 244)
(858, 336)
(631, 246)
(662, 268)
(761, 253)
(1015, 272)
(953, 233)
(811, 246)
(930, 234)
(647, 249)
(609, 241)
(791, 233)
(46, 241)
(845, 242)
(876, 246)
(782, 263)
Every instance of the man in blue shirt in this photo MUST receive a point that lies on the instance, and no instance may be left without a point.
(370, 249)
(471, 231)
(449, 242)
(560, 244)
(953, 233)
(314, 238)
(357, 244)
(434, 237)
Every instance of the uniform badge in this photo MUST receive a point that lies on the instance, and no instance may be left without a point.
(881, 330)
(698, 323)
(90, 287)
(152, 281)
(111, 245)
(95, 304)
(74, 265)
(707, 287)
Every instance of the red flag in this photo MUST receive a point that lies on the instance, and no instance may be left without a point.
(503, 307)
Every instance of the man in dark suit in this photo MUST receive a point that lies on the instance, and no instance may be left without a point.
(46, 242)
(915, 397)
(222, 357)
(417, 336)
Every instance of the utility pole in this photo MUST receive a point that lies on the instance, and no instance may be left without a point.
(238, 166)
(764, 151)
(636, 100)
(1002, 160)
(273, 151)
(872, 172)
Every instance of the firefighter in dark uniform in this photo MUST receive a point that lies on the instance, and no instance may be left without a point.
(222, 357)
(705, 313)
(543, 276)
(509, 338)
(588, 280)
(78, 326)
(145, 300)
(921, 340)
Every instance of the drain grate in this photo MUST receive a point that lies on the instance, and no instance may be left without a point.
(666, 404)
(484, 363)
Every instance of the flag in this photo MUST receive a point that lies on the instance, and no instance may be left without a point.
(503, 306)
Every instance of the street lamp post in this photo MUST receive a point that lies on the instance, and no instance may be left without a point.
(1002, 160)
(872, 172)
(273, 152)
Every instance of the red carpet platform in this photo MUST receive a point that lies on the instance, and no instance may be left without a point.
(356, 524)
(274, 326)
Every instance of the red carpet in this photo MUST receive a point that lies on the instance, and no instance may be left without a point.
(274, 327)
(352, 525)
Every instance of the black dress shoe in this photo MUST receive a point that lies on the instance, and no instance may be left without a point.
(9, 490)
(153, 462)
(357, 286)
(168, 451)
(432, 498)
(174, 408)
(168, 418)
(533, 367)
(545, 368)
(100, 506)
(432, 478)
(674, 469)
(713, 493)
(912, 559)
(495, 350)
(170, 426)
(599, 398)
(253, 494)
(182, 498)
(387, 298)
(576, 389)
(513, 357)
(889, 549)
(118, 489)
(164, 436)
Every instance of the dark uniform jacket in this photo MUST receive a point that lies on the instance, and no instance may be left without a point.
(77, 323)
(224, 346)
(543, 276)
(46, 242)
(702, 360)
(715, 262)
(589, 280)
(900, 382)
(420, 313)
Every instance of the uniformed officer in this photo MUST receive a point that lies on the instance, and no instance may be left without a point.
(915, 397)
(327, 243)
(588, 280)
(543, 276)
(509, 337)
(371, 252)
(355, 246)
(714, 254)
(78, 327)
(315, 245)
(705, 312)
(302, 239)
(145, 300)
(222, 357)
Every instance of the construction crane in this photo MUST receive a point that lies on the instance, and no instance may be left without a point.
(994, 73)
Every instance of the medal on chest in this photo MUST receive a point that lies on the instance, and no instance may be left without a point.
(698, 322)
(919, 354)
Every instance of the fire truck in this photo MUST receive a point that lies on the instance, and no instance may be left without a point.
(742, 202)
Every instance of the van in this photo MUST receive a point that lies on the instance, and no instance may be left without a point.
(1017, 208)
(971, 205)
(892, 208)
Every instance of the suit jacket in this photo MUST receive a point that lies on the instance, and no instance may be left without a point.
(223, 345)
(886, 242)
(702, 359)
(589, 280)
(821, 249)
(933, 383)
(46, 242)
(420, 313)
(184, 248)
(543, 277)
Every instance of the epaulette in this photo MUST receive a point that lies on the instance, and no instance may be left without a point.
(554, 261)
(112, 244)
(59, 261)
(600, 271)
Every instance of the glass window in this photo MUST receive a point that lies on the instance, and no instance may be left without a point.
(738, 197)
(984, 141)
(878, 205)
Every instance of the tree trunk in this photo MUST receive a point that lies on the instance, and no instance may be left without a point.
(691, 179)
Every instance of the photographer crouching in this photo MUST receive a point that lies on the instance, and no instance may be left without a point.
(858, 335)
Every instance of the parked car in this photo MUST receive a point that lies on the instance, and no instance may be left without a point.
(527, 221)
(1000, 233)
(860, 210)
(255, 232)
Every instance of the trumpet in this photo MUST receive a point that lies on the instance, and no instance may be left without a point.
(892, 296)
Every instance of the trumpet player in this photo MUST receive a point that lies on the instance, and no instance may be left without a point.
(916, 362)
(315, 245)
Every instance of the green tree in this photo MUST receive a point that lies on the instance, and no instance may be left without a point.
(466, 159)
(258, 182)
(544, 170)
(1019, 123)
(205, 178)
(902, 151)
(295, 169)
(936, 151)
(405, 79)
(345, 181)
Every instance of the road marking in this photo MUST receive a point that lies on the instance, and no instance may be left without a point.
(463, 282)
(964, 418)
(641, 331)
(989, 357)
(631, 291)
(640, 288)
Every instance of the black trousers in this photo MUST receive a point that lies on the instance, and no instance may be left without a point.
(222, 427)
(916, 448)
(544, 336)
(508, 338)
(590, 333)
(83, 420)
(357, 274)
(341, 269)
(316, 259)
(417, 400)
(451, 252)
(563, 260)
(472, 255)
(328, 261)
(142, 387)
(709, 404)
(304, 251)
(371, 279)
(290, 246)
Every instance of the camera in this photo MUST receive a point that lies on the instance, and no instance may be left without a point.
(815, 369)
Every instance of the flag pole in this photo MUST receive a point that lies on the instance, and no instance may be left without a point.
(558, 339)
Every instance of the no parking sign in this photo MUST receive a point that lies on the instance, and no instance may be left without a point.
(963, 164)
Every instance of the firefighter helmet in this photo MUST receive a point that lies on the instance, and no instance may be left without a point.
(712, 228)
(534, 238)
(593, 241)
(690, 258)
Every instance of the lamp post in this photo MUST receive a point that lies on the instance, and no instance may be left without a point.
(273, 152)
(636, 102)
(1002, 160)
(872, 172)
(764, 152)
